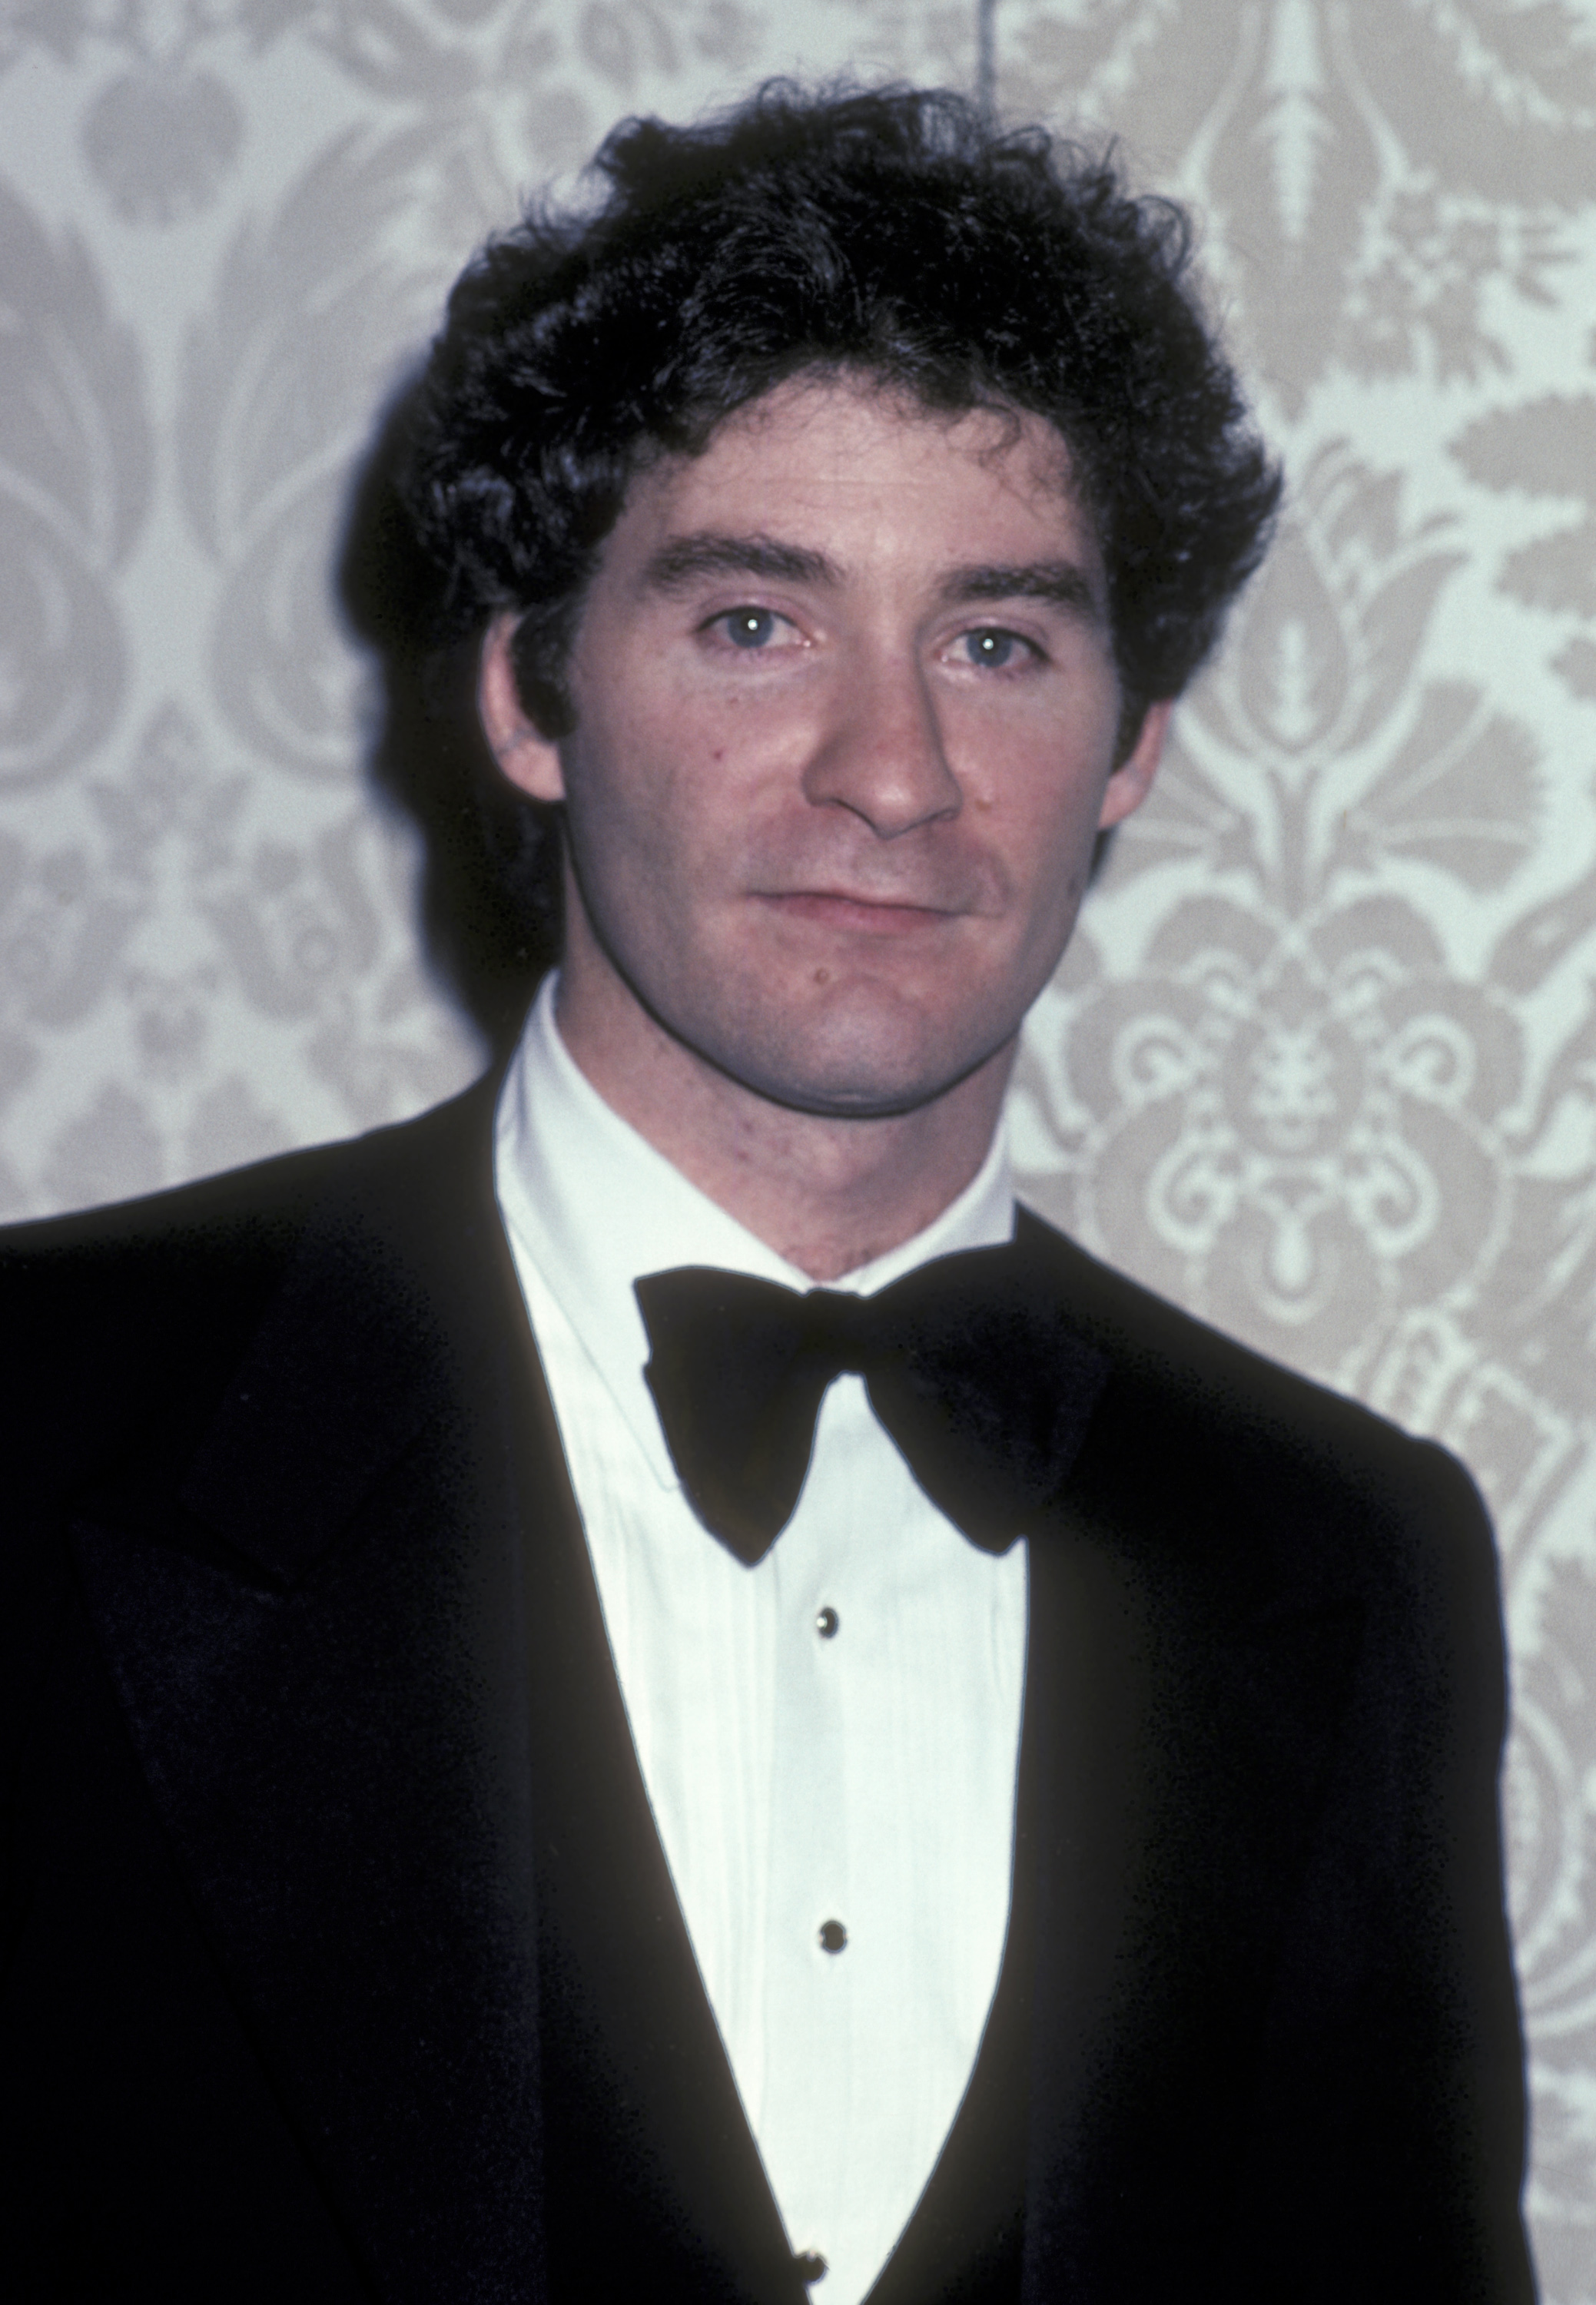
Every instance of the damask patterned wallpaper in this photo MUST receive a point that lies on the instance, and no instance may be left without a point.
(1322, 1061)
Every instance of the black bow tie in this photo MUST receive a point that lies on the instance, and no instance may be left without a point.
(971, 1363)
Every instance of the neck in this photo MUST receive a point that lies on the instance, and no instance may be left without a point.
(827, 1194)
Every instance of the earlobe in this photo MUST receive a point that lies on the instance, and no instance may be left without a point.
(1132, 781)
(528, 758)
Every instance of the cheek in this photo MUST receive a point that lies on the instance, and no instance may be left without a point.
(643, 834)
(1053, 821)
(1049, 857)
(692, 795)
(618, 773)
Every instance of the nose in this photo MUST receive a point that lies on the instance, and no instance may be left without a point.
(881, 752)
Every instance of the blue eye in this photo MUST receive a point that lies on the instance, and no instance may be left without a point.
(749, 629)
(992, 647)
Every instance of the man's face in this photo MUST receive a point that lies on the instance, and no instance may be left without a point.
(845, 712)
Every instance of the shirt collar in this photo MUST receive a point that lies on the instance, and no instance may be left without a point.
(594, 1206)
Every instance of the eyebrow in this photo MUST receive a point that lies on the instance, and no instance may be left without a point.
(685, 558)
(708, 553)
(1062, 582)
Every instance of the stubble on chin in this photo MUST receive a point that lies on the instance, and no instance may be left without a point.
(833, 1040)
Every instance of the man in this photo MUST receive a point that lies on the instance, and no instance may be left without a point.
(552, 1756)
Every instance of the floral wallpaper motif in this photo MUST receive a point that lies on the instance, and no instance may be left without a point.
(75, 454)
(1322, 1061)
(1374, 165)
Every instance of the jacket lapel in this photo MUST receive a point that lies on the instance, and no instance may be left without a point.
(1186, 1695)
(655, 2185)
(1166, 1864)
(312, 1627)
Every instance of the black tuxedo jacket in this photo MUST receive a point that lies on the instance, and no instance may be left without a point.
(323, 1841)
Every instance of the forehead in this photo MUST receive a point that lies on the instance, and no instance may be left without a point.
(862, 465)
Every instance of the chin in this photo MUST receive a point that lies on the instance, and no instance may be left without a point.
(859, 1067)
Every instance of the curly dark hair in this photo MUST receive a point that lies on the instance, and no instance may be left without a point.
(890, 232)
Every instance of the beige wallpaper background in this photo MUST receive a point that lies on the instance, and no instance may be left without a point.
(1322, 1061)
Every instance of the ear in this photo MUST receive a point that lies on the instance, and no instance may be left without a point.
(1132, 781)
(528, 758)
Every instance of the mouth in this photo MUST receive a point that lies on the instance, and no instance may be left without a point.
(865, 915)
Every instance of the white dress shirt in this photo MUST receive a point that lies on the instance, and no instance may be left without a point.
(830, 1737)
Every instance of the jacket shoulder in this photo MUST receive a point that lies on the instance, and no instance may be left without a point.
(1214, 1436)
(1161, 1350)
(232, 1212)
(112, 1317)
